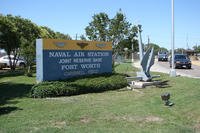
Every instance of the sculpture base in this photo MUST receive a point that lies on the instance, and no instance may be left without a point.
(172, 73)
(143, 76)
(141, 84)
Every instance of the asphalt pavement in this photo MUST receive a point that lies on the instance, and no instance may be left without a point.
(163, 67)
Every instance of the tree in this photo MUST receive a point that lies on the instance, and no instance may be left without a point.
(132, 39)
(101, 28)
(197, 48)
(28, 32)
(180, 50)
(119, 28)
(24, 30)
(129, 41)
(18, 35)
(46, 32)
(62, 36)
(163, 49)
(28, 53)
(9, 39)
(98, 29)
(82, 37)
(156, 48)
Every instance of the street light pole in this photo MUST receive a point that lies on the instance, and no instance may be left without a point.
(132, 55)
(172, 71)
(141, 49)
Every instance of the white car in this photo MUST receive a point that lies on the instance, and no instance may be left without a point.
(5, 60)
(2, 65)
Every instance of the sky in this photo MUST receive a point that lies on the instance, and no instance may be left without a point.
(72, 16)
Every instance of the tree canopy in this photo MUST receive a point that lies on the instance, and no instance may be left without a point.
(9, 38)
(197, 48)
(118, 30)
(157, 48)
(18, 35)
(98, 29)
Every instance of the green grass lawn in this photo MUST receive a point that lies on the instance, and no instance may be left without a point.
(112, 111)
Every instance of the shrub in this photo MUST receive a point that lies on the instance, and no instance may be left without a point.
(75, 86)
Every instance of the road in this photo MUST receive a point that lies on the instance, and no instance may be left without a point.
(163, 67)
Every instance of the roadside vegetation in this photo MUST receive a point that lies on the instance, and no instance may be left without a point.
(18, 36)
(109, 111)
(99, 103)
(81, 85)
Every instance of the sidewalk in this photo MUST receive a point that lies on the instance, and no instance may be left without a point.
(196, 62)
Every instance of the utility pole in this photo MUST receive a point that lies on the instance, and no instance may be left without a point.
(172, 71)
(76, 36)
(187, 46)
(148, 40)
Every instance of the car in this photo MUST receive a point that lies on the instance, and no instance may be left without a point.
(5, 60)
(162, 56)
(181, 61)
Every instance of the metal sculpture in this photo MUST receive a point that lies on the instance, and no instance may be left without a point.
(146, 59)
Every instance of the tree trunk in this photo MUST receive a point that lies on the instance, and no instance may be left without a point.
(29, 69)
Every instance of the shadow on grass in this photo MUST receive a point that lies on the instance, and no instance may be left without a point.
(9, 91)
(162, 84)
(8, 109)
(9, 73)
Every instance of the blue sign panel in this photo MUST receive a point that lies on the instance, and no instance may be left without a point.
(67, 64)
(58, 64)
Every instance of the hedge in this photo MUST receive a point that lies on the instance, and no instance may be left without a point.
(82, 85)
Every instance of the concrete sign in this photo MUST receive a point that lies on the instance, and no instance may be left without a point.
(62, 59)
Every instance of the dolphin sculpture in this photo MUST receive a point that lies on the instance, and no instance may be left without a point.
(146, 60)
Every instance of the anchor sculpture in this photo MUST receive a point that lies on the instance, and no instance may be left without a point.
(146, 60)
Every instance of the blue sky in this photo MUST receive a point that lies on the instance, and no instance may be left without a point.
(72, 16)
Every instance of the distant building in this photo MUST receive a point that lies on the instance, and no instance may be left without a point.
(190, 52)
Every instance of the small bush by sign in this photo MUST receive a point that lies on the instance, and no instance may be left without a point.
(75, 86)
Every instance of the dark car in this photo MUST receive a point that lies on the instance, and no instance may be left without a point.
(180, 61)
(162, 56)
